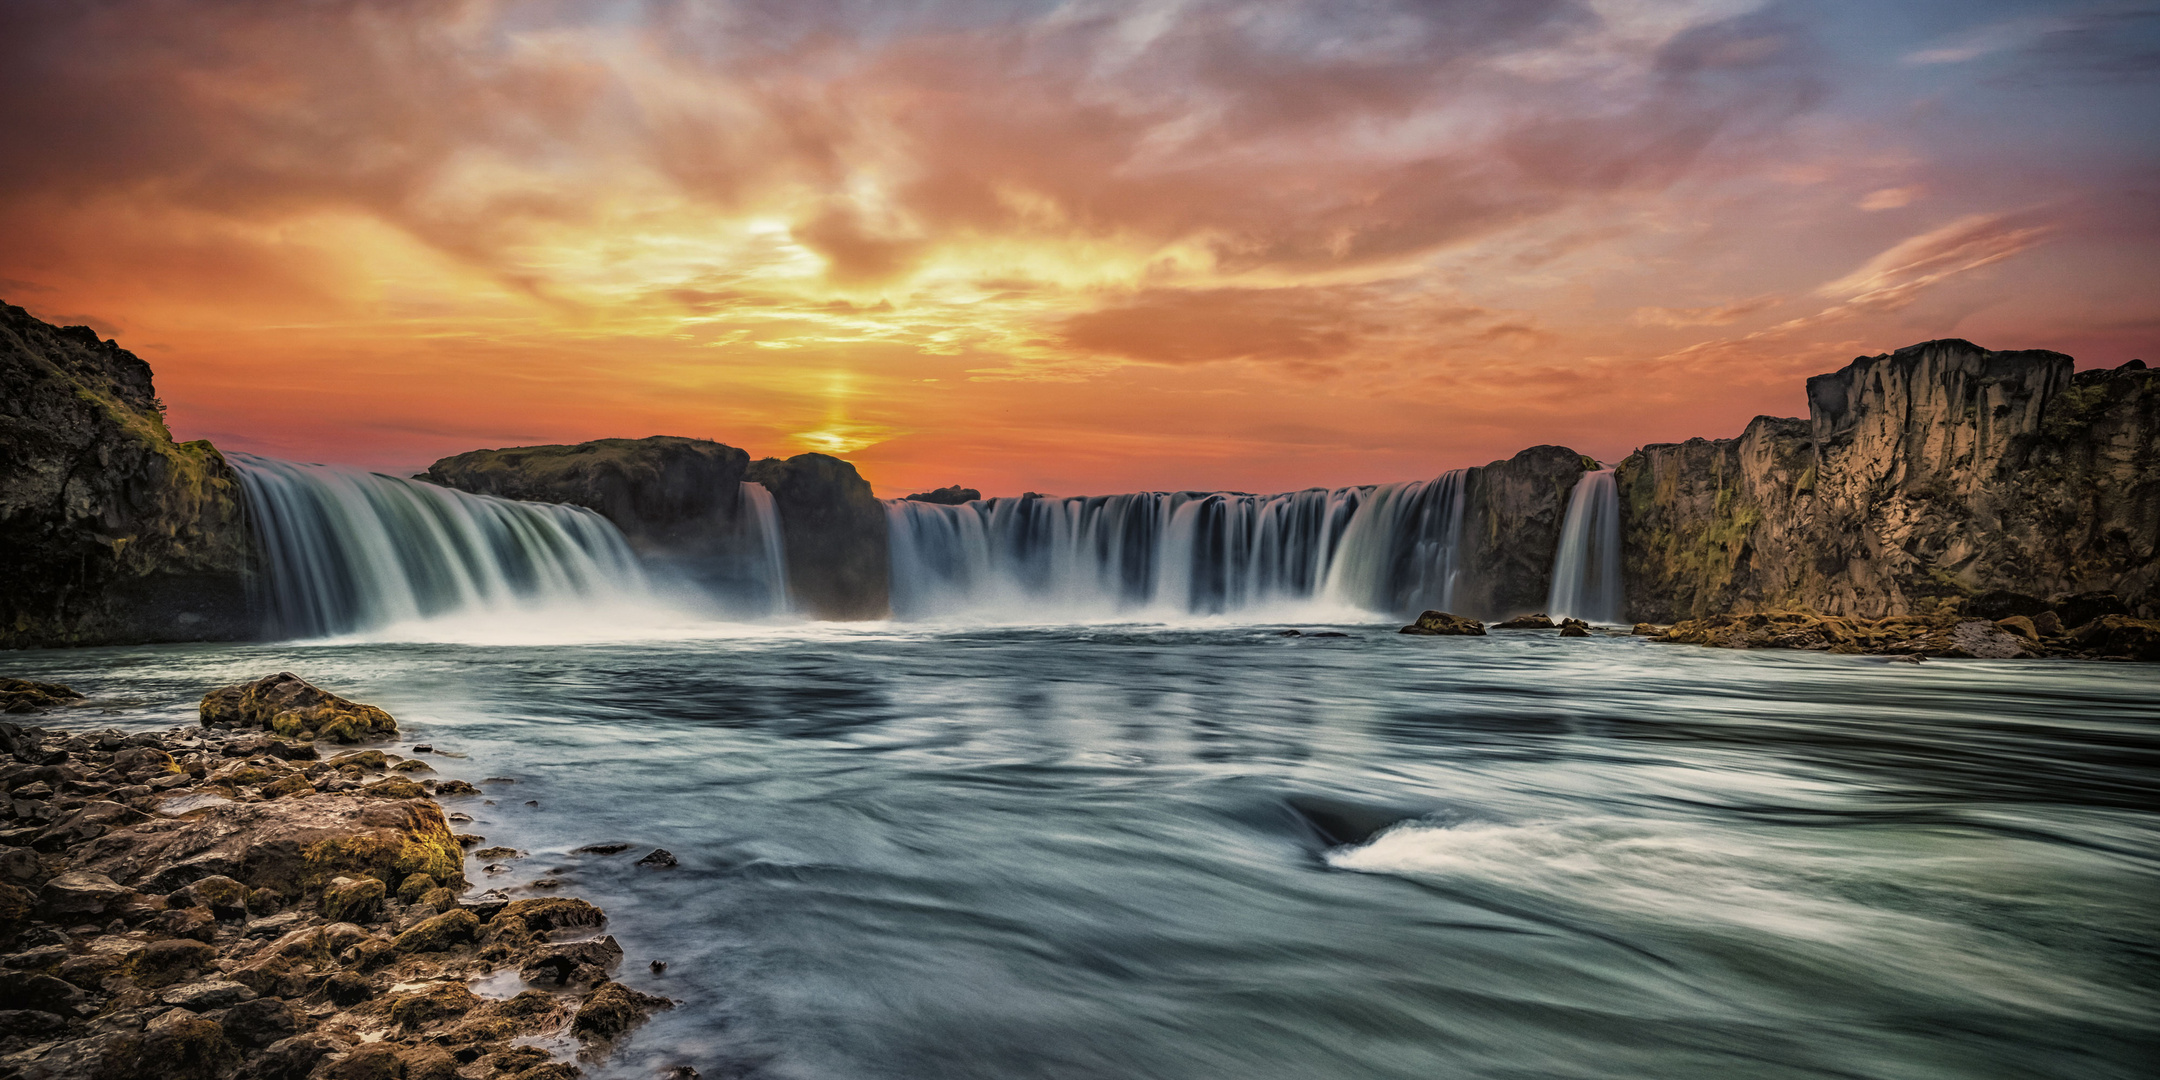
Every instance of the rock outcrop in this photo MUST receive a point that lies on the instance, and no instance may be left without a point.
(1937, 479)
(110, 532)
(1511, 527)
(839, 561)
(166, 914)
(1444, 624)
(947, 496)
(293, 707)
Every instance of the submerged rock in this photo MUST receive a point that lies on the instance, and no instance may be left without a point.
(1574, 628)
(293, 707)
(1526, 622)
(25, 695)
(1441, 623)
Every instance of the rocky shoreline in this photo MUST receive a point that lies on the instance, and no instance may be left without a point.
(264, 897)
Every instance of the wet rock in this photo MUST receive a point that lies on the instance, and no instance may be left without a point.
(445, 931)
(183, 1046)
(42, 956)
(2048, 624)
(348, 988)
(205, 996)
(1574, 628)
(289, 784)
(493, 854)
(39, 992)
(601, 849)
(660, 858)
(79, 893)
(442, 1001)
(164, 963)
(680, 1072)
(659, 967)
(455, 787)
(354, 900)
(291, 706)
(438, 899)
(1441, 624)
(294, 846)
(1644, 629)
(612, 1009)
(195, 922)
(25, 695)
(414, 887)
(428, 1063)
(549, 914)
(290, 1059)
(2120, 635)
(565, 963)
(367, 1061)
(259, 1022)
(1526, 622)
(226, 898)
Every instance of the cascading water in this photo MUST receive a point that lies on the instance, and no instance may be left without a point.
(1586, 571)
(349, 551)
(761, 519)
(1391, 548)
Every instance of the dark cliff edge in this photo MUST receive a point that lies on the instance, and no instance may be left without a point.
(1511, 527)
(835, 531)
(679, 503)
(1938, 478)
(110, 532)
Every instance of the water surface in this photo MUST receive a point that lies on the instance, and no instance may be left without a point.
(1126, 852)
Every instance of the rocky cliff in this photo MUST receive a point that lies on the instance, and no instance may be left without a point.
(109, 530)
(1936, 478)
(839, 560)
(1511, 527)
(679, 502)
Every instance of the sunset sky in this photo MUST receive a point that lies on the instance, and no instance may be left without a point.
(1067, 247)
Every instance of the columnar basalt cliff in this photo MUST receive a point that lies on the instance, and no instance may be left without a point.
(1936, 478)
(109, 530)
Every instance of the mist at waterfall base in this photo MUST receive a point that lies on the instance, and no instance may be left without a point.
(1150, 837)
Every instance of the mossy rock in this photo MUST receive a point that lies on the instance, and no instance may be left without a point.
(414, 887)
(442, 1001)
(291, 706)
(365, 759)
(547, 914)
(187, 1048)
(439, 899)
(368, 1061)
(353, 900)
(440, 933)
(226, 898)
(292, 783)
(164, 963)
(612, 1009)
(397, 787)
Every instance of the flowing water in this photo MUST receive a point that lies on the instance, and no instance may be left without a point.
(1389, 548)
(1209, 851)
(1586, 570)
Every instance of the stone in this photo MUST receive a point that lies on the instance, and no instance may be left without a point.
(660, 858)
(441, 1001)
(601, 849)
(455, 787)
(183, 1046)
(548, 914)
(2048, 624)
(291, 706)
(26, 695)
(348, 988)
(445, 931)
(1526, 622)
(1441, 623)
(293, 846)
(428, 1063)
(164, 963)
(565, 963)
(438, 899)
(1574, 628)
(194, 922)
(355, 900)
(947, 496)
(414, 887)
(259, 1022)
(39, 992)
(204, 996)
(613, 1009)
(226, 898)
(2022, 626)
(289, 784)
(290, 1059)
(2120, 635)
(367, 1061)
(80, 892)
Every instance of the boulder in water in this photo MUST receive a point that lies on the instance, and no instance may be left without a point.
(1574, 628)
(291, 706)
(1443, 624)
(1539, 621)
(2120, 635)
(25, 695)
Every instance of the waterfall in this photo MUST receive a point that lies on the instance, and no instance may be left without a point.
(347, 550)
(1586, 571)
(1392, 548)
(769, 554)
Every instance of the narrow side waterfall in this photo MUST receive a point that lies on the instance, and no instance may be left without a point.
(350, 551)
(761, 520)
(1390, 549)
(1586, 570)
